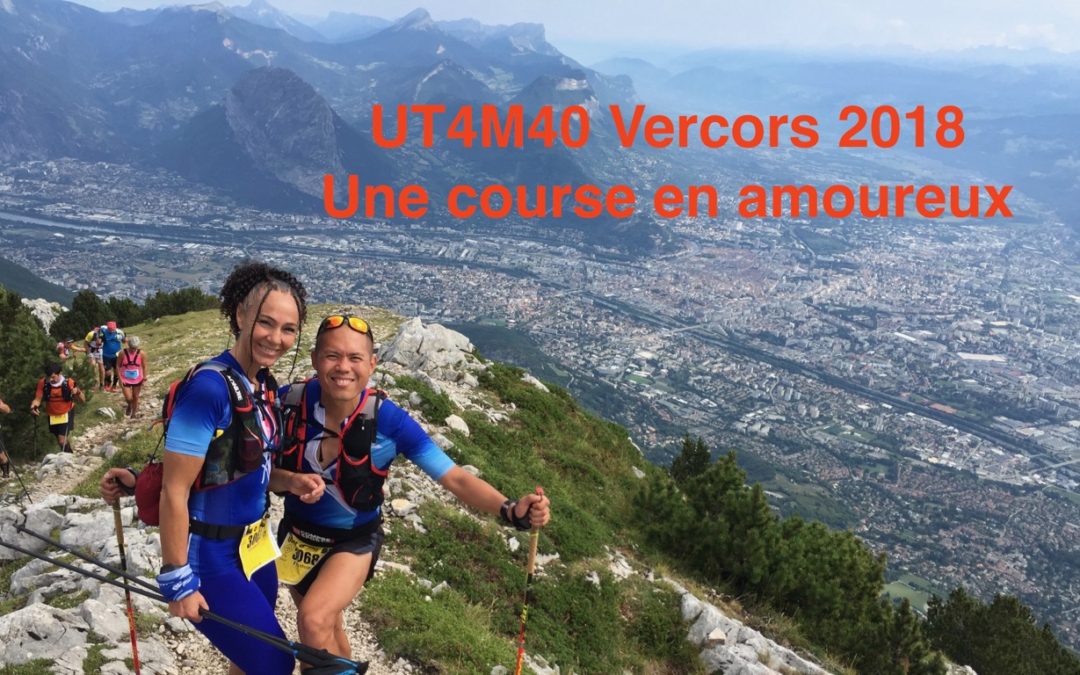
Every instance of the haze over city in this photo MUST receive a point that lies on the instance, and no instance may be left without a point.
(605, 28)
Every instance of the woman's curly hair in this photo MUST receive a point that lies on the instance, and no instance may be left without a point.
(239, 290)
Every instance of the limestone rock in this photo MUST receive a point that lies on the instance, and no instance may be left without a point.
(716, 637)
(402, 507)
(529, 379)
(106, 449)
(107, 620)
(429, 348)
(45, 311)
(84, 529)
(457, 424)
(39, 631)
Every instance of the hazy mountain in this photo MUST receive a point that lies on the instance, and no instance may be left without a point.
(344, 27)
(642, 72)
(262, 13)
(1020, 108)
(270, 143)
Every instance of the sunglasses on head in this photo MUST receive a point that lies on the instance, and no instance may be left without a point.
(338, 320)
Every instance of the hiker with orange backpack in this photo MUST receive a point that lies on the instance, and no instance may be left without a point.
(59, 394)
(131, 363)
(337, 428)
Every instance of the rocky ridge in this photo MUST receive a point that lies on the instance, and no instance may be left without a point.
(45, 311)
(65, 618)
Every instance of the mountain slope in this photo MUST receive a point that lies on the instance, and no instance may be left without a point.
(270, 143)
(596, 608)
(17, 278)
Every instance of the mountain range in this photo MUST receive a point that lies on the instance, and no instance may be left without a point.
(251, 102)
(181, 88)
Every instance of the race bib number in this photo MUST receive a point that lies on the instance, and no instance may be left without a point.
(257, 546)
(131, 374)
(58, 419)
(297, 559)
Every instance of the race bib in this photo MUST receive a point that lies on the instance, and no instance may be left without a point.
(58, 419)
(257, 546)
(131, 374)
(297, 559)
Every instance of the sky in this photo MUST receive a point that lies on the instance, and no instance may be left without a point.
(606, 27)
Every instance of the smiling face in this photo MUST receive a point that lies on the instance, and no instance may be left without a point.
(344, 361)
(268, 331)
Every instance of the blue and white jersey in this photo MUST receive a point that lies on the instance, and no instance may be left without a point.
(202, 413)
(113, 343)
(397, 434)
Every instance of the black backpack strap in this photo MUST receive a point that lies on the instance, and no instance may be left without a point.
(211, 531)
(239, 398)
(371, 412)
(294, 411)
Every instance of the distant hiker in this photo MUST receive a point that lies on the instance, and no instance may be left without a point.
(94, 340)
(112, 342)
(5, 461)
(132, 366)
(64, 349)
(59, 394)
(337, 428)
(216, 543)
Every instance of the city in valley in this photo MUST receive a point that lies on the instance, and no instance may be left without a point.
(914, 380)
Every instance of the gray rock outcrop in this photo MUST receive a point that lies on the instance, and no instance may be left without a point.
(428, 348)
(45, 311)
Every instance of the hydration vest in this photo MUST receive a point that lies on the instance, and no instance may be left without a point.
(131, 367)
(234, 453)
(65, 388)
(358, 479)
(238, 449)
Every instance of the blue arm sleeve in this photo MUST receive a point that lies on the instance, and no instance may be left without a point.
(411, 441)
(202, 408)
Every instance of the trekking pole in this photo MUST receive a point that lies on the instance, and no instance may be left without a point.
(324, 661)
(127, 589)
(19, 478)
(530, 568)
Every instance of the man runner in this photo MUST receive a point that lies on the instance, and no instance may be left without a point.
(59, 394)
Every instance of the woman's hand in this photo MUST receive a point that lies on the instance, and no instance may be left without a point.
(189, 607)
(110, 485)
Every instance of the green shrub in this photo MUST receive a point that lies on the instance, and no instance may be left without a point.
(35, 667)
(436, 407)
(657, 629)
(444, 633)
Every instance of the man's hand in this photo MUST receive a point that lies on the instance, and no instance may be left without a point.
(309, 487)
(538, 508)
(35, 407)
(110, 485)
